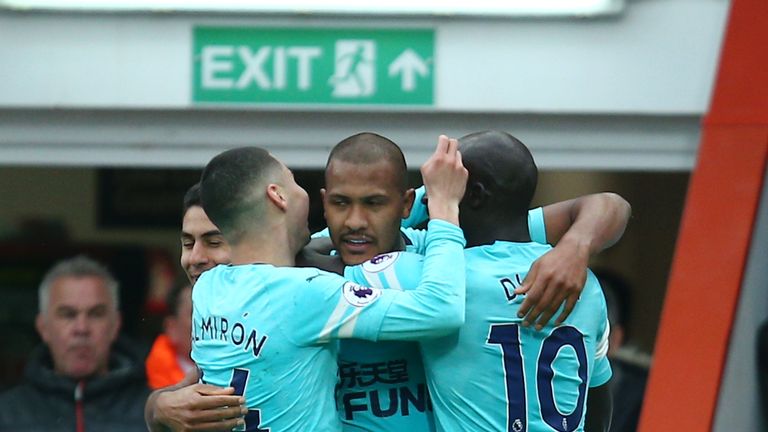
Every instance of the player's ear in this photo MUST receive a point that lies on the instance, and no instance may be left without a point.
(276, 196)
(408, 198)
(476, 195)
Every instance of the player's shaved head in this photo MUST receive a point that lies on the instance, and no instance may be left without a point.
(505, 168)
(368, 148)
(231, 189)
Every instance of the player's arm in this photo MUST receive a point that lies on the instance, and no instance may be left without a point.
(581, 228)
(599, 409)
(189, 406)
(443, 282)
(437, 304)
(431, 305)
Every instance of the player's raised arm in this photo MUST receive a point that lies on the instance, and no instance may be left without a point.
(443, 282)
(580, 228)
(446, 179)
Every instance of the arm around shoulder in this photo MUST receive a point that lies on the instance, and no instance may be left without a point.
(581, 227)
(596, 221)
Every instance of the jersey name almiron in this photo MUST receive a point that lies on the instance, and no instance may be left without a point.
(219, 328)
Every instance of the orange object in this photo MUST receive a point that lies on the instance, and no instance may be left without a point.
(163, 368)
(715, 235)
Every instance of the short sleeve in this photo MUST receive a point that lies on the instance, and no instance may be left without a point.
(601, 372)
(536, 227)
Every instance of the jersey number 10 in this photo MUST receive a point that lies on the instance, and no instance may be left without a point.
(508, 337)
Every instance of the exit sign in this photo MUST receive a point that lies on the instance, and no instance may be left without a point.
(313, 66)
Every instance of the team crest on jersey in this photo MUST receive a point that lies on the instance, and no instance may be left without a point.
(380, 262)
(358, 295)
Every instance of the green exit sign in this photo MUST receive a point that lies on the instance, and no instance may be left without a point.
(313, 66)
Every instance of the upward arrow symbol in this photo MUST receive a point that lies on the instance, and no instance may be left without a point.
(408, 64)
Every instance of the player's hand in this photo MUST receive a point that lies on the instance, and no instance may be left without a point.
(556, 277)
(200, 407)
(445, 178)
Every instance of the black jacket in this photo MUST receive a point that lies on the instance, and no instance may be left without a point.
(47, 402)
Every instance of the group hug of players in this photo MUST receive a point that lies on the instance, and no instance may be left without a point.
(475, 323)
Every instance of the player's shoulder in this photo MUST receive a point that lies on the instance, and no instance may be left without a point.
(384, 261)
(308, 275)
(590, 309)
(533, 250)
(510, 252)
(304, 285)
(397, 262)
(276, 275)
(208, 280)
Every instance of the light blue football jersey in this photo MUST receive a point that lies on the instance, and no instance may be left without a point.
(402, 403)
(495, 375)
(382, 386)
(270, 331)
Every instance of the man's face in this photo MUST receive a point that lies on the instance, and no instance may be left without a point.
(178, 327)
(363, 208)
(79, 326)
(202, 244)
